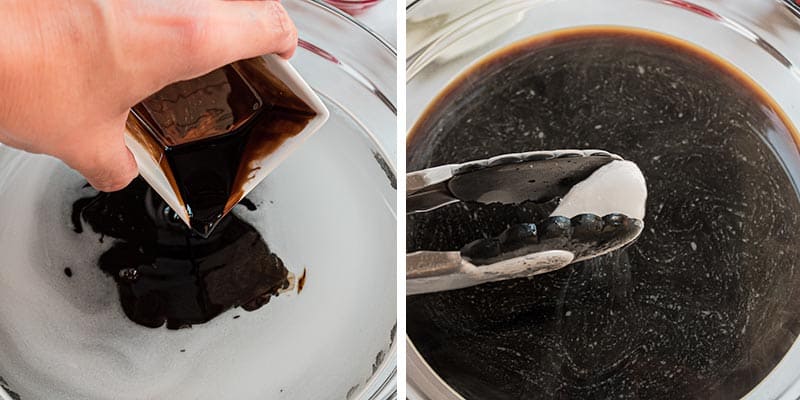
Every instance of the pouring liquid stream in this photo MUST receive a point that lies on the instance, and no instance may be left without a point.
(209, 132)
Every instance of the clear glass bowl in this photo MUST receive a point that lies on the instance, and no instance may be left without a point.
(353, 7)
(329, 209)
(445, 37)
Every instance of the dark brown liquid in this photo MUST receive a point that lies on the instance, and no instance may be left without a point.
(702, 306)
(165, 272)
(206, 132)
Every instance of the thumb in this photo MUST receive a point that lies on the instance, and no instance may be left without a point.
(103, 159)
(229, 31)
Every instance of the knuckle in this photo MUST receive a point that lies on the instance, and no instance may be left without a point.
(279, 22)
(112, 180)
(111, 172)
(110, 185)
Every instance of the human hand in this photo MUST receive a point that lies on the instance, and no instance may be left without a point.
(71, 70)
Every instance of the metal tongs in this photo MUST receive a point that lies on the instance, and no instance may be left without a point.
(600, 208)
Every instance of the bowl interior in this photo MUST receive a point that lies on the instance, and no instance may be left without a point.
(329, 209)
(446, 38)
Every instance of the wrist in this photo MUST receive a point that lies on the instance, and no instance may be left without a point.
(21, 56)
(6, 52)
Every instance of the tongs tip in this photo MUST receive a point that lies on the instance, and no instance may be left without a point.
(601, 208)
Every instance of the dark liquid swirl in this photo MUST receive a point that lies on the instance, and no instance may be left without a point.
(165, 272)
(702, 306)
